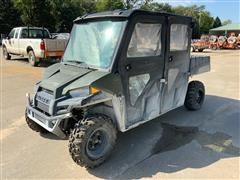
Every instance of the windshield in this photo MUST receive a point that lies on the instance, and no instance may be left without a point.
(94, 43)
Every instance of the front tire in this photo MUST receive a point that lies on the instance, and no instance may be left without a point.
(34, 126)
(195, 95)
(6, 55)
(92, 140)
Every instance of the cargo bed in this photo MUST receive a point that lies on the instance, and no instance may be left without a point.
(199, 64)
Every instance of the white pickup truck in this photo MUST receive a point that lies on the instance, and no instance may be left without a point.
(34, 43)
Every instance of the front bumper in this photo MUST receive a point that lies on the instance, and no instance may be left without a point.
(50, 123)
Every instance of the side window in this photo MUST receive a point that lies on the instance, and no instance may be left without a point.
(16, 34)
(178, 37)
(145, 40)
(137, 85)
(24, 33)
(11, 34)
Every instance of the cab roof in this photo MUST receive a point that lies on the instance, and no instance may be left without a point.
(125, 14)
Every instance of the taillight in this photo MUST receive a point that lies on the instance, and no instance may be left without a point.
(42, 45)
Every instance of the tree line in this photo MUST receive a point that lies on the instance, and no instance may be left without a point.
(58, 15)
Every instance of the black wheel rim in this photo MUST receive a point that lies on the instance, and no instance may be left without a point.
(97, 144)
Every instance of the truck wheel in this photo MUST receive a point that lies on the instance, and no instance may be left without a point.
(92, 140)
(195, 95)
(34, 126)
(200, 50)
(214, 47)
(32, 58)
(6, 55)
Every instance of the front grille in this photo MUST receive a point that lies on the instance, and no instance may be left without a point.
(42, 106)
(43, 99)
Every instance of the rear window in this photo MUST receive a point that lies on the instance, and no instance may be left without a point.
(34, 33)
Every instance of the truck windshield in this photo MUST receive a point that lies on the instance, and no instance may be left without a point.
(94, 43)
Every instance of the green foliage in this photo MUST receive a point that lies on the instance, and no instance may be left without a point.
(203, 19)
(35, 12)
(9, 16)
(164, 7)
(205, 22)
(105, 5)
(217, 22)
(58, 15)
(65, 11)
(129, 4)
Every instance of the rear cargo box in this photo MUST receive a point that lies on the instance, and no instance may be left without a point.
(199, 64)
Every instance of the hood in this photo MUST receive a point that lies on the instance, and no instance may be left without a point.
(62, 78)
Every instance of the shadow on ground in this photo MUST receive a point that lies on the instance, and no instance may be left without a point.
(177, 140)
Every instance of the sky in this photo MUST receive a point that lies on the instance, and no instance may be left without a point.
(224, 9)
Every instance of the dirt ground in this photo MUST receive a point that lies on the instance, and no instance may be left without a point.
(179, 145)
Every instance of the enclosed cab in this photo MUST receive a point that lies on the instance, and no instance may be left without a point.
(120, 69)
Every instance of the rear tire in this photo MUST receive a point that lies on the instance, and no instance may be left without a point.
(200, 50)
(6, 55)
(92, 140)
(195, 95)
(32, 58)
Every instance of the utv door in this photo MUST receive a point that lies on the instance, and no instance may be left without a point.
(177, 62)
(142, 67)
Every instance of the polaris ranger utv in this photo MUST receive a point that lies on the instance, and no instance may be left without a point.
(120, 69)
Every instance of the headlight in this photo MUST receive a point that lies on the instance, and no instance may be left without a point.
(81, 92)
(62, 109)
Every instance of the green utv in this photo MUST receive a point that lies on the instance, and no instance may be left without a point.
(120, 69)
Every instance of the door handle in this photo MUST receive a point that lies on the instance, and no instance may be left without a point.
(128, 67)
(163, 81)
(170, 59)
